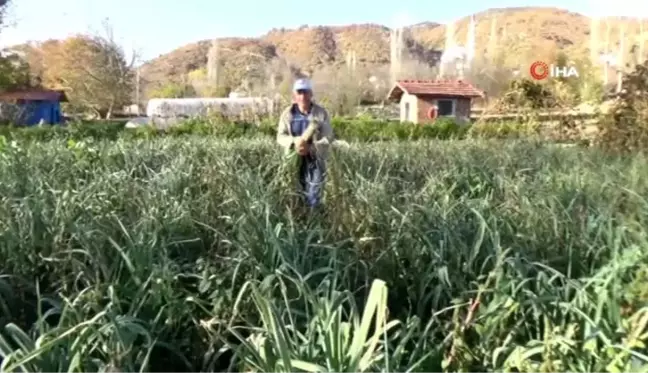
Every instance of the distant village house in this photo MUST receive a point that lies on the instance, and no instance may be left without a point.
(32, 106)
(423, 101)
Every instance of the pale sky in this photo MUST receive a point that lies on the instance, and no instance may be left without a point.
(157, 27)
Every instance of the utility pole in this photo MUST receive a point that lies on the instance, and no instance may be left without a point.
(137, 89)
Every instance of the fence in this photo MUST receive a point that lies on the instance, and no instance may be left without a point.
(545, 116)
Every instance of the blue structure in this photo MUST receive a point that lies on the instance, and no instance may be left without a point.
(36, 105)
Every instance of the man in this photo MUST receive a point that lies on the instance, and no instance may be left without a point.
(305, 127)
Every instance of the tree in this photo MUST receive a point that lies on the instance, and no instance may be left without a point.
(4, 4)
(14, 72)
(589, 86)
(173, 90)
(344, 89)
(205, 86)
(527, 94)
(94, 72)
(625, 127)
(276, 80)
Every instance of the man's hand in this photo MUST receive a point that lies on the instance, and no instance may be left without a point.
(301, 146)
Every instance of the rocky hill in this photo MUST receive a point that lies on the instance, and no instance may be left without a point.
(517, 35)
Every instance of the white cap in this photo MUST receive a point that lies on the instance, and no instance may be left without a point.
(302, 85)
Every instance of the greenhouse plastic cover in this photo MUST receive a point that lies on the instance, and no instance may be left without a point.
(190, 107)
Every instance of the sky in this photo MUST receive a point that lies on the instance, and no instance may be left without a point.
(155, 27)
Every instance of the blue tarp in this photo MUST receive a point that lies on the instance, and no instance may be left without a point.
(34, 111)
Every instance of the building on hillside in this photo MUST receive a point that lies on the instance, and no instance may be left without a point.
(131, 110)
(32, 106)
(423, 101)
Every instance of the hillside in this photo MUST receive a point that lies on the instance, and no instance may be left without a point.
(307, 49)
(191, 57)
(532, 30)
(521, 35)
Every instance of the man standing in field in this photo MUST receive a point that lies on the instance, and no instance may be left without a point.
(305, 127)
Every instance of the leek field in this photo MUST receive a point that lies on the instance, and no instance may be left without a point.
(190, 254)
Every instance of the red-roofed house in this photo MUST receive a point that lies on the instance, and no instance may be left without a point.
(423, 101)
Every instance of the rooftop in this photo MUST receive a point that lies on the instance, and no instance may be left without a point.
(450, 88)
(34, 94)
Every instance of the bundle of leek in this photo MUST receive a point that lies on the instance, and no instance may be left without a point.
(290, 166)
(307, 137)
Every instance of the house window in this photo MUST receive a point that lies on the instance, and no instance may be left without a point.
(407, 111)
(446, 108)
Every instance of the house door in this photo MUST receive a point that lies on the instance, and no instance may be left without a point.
(407, 112)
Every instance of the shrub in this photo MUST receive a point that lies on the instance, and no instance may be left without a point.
(504, 129)
(625, 128)
(350, 129)
(526, 93)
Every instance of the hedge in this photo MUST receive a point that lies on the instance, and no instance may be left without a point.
(349, 129)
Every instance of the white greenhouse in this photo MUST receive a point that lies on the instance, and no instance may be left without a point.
(199, 107)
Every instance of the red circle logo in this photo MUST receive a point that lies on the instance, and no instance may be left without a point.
(539, 70)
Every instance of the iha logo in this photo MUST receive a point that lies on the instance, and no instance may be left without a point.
(540, 70)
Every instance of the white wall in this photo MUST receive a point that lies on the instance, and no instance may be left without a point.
(413, 108)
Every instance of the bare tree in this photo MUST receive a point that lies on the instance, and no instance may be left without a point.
(111, 72)
(279, 77)
(342, 89)
(94, 71)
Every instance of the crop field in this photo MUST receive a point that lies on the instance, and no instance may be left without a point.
(191, 254)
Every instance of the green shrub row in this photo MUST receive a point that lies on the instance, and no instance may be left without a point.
(355, 129)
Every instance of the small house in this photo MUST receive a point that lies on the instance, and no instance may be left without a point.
(32, 106)
(423, 101)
